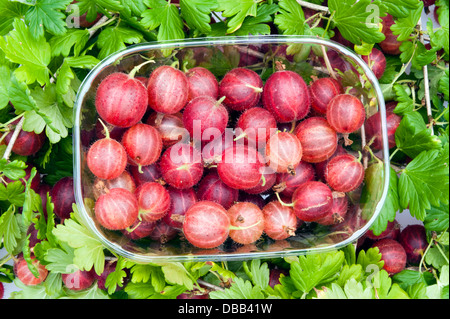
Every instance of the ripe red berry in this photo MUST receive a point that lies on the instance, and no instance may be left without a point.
(27, 143)
(162, 233)
(205, 118)
(345, 113)
(169, 126)
(376, 61)
(392, 231)
(312, 201)
(337, 212)
(212, 188)
(242, 89)
(63, 197)
(181, 201)
(320, 167)
(318, 139)
(280, 221)
(413, 238)
(78, 280)
(168, 90)
(107, 158)
(202, 82)
(267, 181)
(344, 173)
(322, 91)
(24, 274)
(393, 255)
(206, 224)
(181, 166)
(257, 125)
(149, 173)
(373, 129)
(247, 221)
(139, 229)
(116, 210)
(286, 183)
(241, 167)
(283, 152)
(121, 100)
(153, 201)
(390, 45)
(286, 96)
(139, 153)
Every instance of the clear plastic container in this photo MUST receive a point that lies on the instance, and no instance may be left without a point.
(220, 55)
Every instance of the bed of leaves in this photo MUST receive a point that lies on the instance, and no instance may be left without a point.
(45, 54)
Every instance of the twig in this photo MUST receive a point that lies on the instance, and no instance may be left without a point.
(100, 23)
(13, 138)
(208, 285)
(251, 52)
(313, 6)
(426, 85)
(328, 64)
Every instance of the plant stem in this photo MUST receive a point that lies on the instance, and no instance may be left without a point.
(13, 138)
(426, 84)
(328, 64)
(313, 6)
(12, 120)
(209, 285)
(100, 23)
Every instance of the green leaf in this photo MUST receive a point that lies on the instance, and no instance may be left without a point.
(60, 260)
(32, 54)
(13, 170)
(20, 95)
(437, 218)
(405, 102)
(92, 7)
(391, 205)
(237, 11)
(9, 11)
(412, 135)
(355, 20)
(424, 182)
(62, 44)
(51, 115)
(398, 8)
(239, 289)
(370, 259)
(259, 273)
(166, 18)
(175, 273)
(444, 85)
(13, 192)
(374, 180)
(312, 270)
(439, 37)
(405, 26)
(113, 39)
(88, 250)
(5, 82)
(197, 13)
(291, 18)
(257, 25)
(423, 56)
(46, 15)
(348, 272)
(9, 229)
(139, 290)
(115, 278)
(66, 74)
(134, 7)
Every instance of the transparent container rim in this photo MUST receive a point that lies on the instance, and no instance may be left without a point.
(215, 41)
